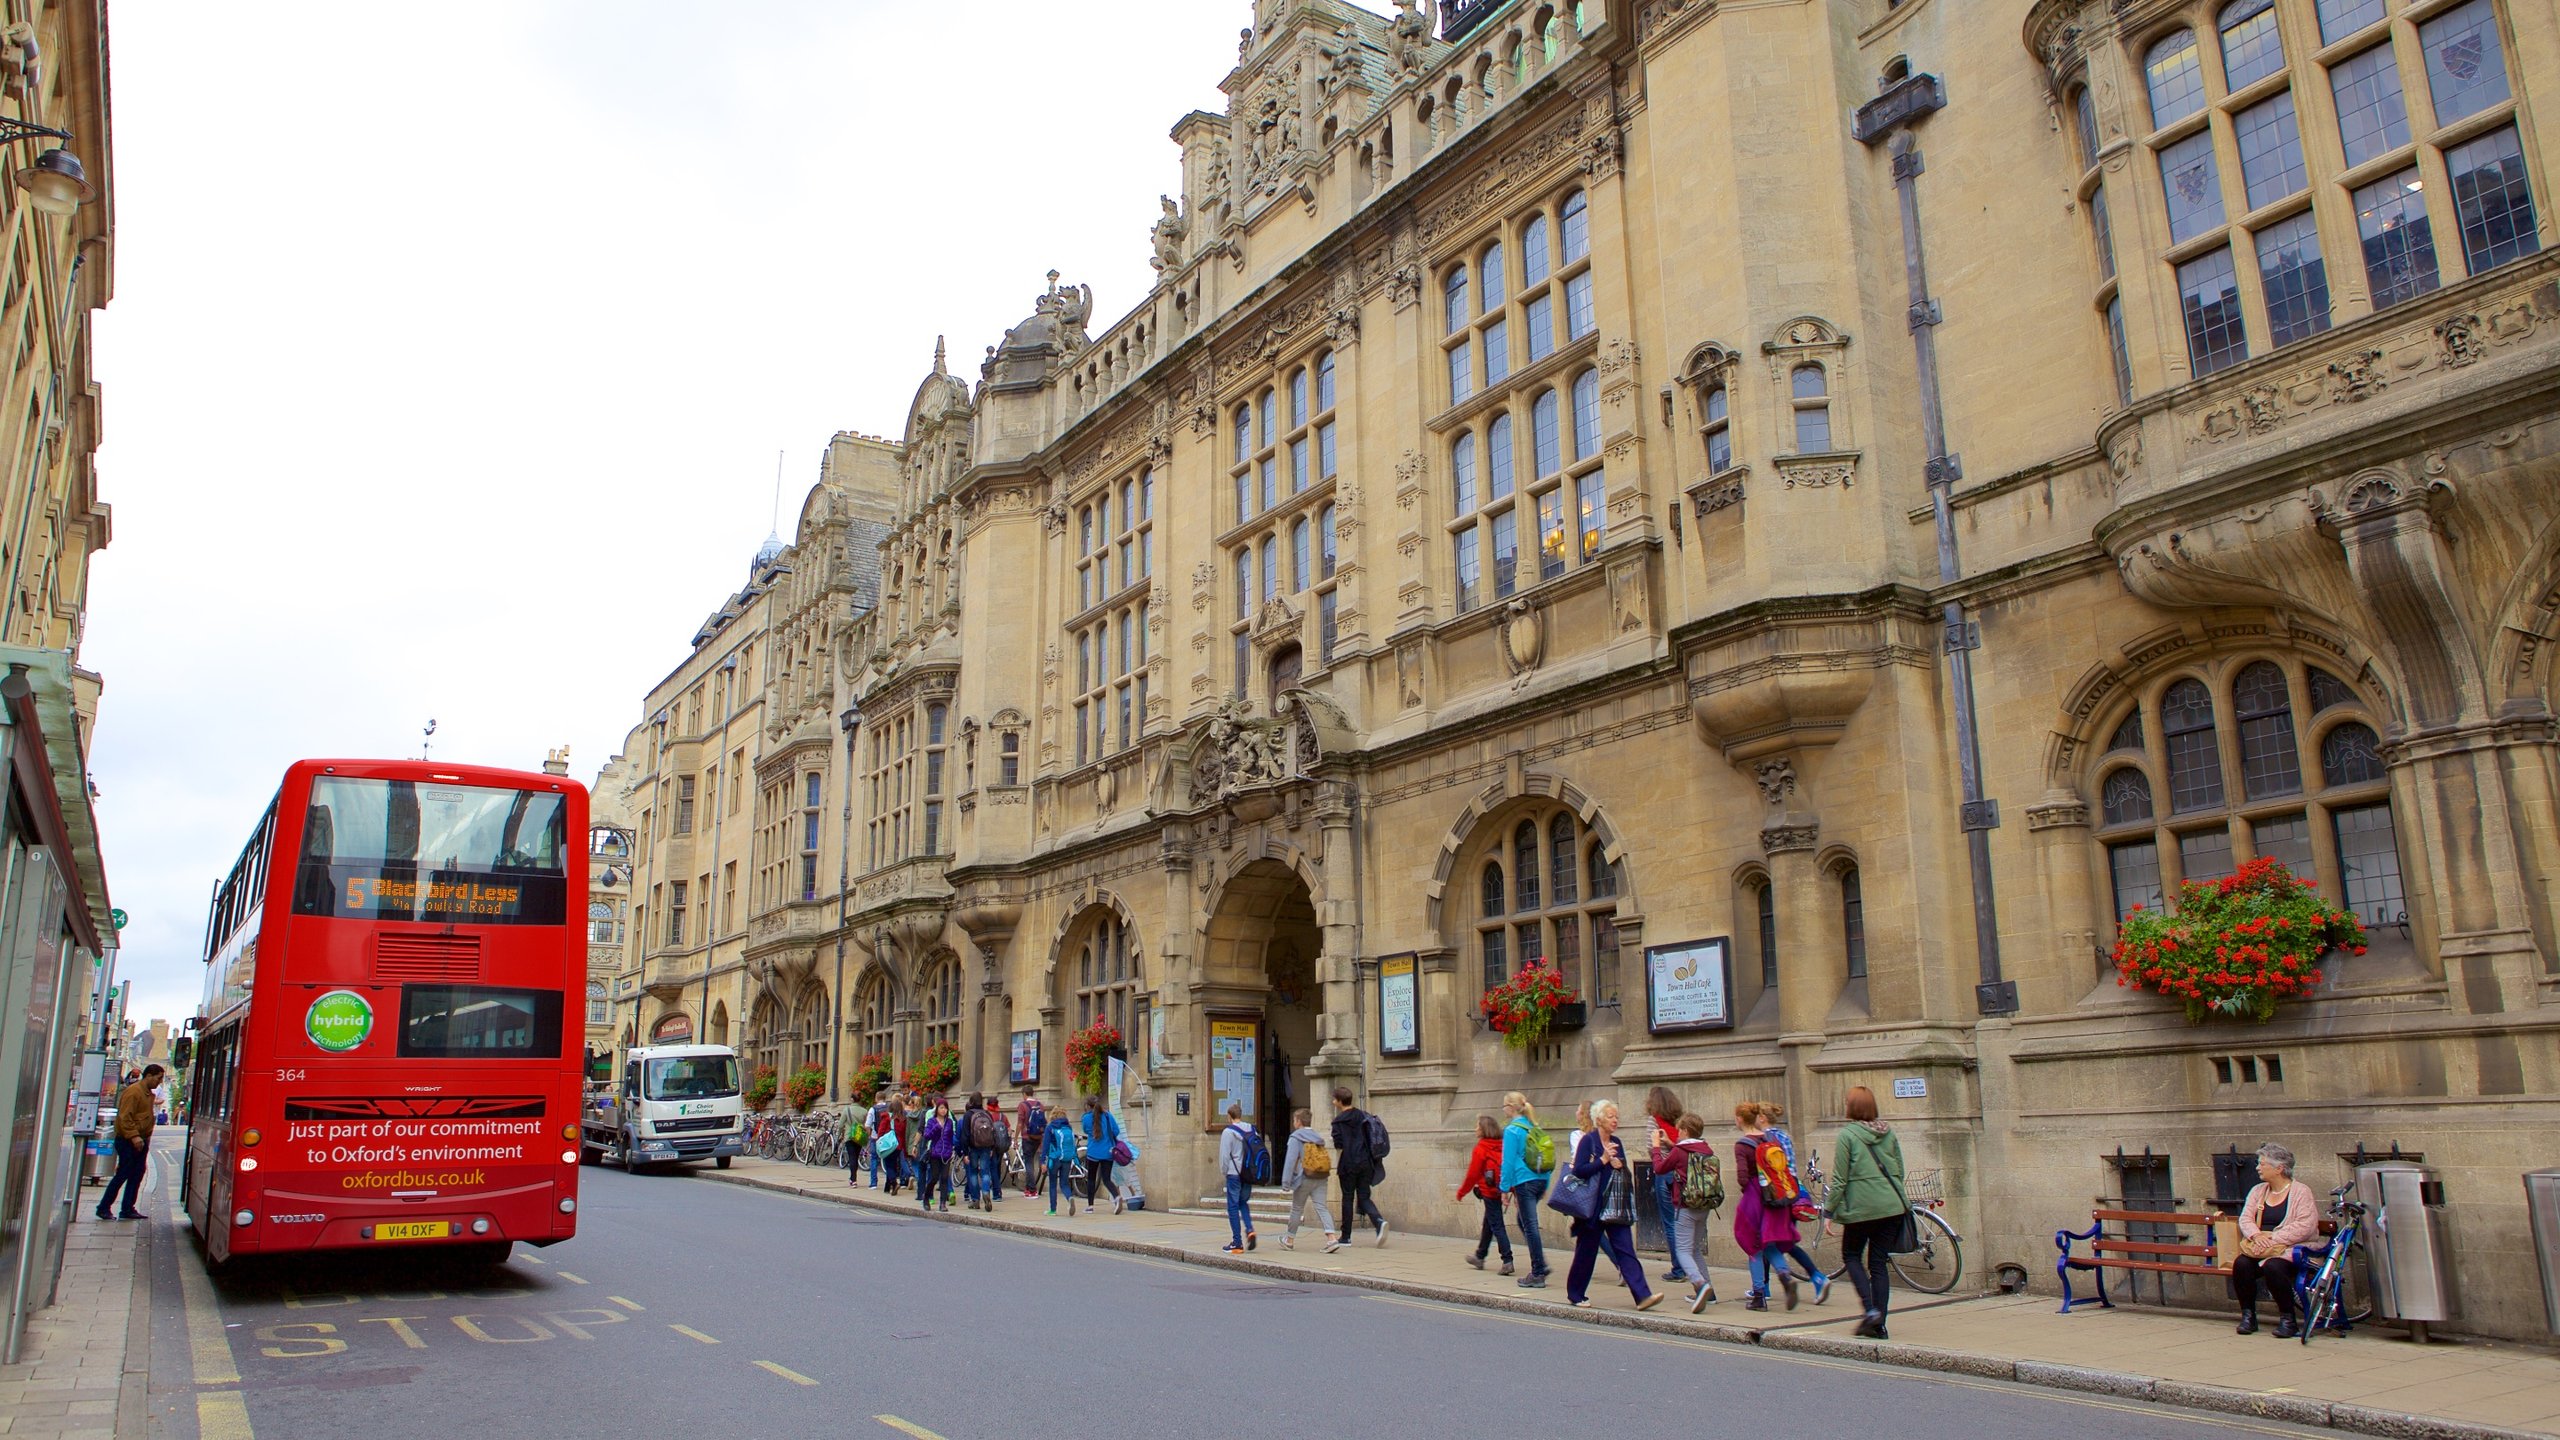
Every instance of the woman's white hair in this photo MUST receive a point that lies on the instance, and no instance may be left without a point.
(1600, 1104)
(2280, 1155)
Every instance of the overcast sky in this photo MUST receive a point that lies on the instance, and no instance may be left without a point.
(452, 346)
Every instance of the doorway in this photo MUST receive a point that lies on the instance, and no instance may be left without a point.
(1262, 949)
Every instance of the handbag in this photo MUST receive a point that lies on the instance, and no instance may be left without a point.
(1905, 1239)
(1617, 1199)
(1575, 1196)
(887, 1143)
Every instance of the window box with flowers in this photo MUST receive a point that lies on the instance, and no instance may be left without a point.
(761, 1090)
(937, 1071)
(869, 1074)
(1090, 1052)
(2236, 946)
(805, 1086)
(1526, 1007)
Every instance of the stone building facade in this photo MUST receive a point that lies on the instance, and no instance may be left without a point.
(1550, 504)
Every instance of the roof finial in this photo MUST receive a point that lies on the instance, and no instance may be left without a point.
(938, 356)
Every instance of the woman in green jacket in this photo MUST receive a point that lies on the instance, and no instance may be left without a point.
(1868, 1202)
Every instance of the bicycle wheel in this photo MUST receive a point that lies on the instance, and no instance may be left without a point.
(2324, 1299)
(1934, 1268)
(2355, 1289)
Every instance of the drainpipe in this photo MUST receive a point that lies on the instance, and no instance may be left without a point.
(1904, 100)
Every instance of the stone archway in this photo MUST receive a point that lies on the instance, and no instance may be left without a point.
(1260, 964)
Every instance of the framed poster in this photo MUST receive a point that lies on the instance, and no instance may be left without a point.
(1024, 1068)
(1155, 1040)
(1689, 986)
(1399, 1006)
(1235, 1069)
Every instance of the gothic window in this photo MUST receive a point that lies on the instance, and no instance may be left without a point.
(1717, 427)
(1115, 540)
(875, 1016)
(1538, 905)
(601, 929)
(765, 1035)
(1764, 905)
(1853, 922)
(1290, 475)
(806, 1041)
(599, 1004)
(1811, 396)
(942, 1000)
(813, 795)
(907, 752)
(2336, 833)
(1106, 974)
(2428, 155)
(1111, 678)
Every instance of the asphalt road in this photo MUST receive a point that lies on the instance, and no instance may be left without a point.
(686, 1304)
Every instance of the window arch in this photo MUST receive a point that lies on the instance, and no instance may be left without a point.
(1853, 923)
(1548, 892)
(1106, 975)
(765, 1034)
(599, 1003)
(2337, 833)
(875, 1017)
(2251, 48)
(1716, 426)
(1809, 392)
(719, 1033)
(942, 1000)
(2173, 78)
(806, 1042)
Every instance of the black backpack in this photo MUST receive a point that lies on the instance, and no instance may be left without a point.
(1376, 1131)
(982, 1130)
(1255, 1166)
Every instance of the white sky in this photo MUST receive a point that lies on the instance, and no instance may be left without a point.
(452, 346)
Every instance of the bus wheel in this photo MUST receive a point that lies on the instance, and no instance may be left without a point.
(722, 1161)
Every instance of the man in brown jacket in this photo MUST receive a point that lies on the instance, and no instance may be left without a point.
(133, 1145)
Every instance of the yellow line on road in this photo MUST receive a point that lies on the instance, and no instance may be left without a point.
(696, 1334)
(572, 1279)
(223, 1415)
(905, 1427)
(625, 1304)
(220, 1414)
(794, 1376)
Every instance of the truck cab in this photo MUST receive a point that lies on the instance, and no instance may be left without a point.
(672, 1103)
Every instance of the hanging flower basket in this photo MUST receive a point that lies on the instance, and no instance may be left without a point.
(1523, 1008)
(1089, 1053)
(869, 1074)
(761, 1090)
(936, 1072)
(805, 1085)
(2236, 946)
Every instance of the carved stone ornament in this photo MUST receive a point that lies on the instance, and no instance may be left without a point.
(1781, 839)
(1404, 286)
(1719, 494)
(1818, 477)
(1777, 779)
(1524, 637)
(1277, 620)
(2357, 377)
(1409, 676)
(2462, 340)
(1240, 752)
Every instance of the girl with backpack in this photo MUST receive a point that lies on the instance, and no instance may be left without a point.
(940, 1141)
(1664, 1110)
(1101, 1142)
(1764, 1222)
(1528, 1158)
(1602, 1159)
(1059, 1153)
(1689, 1164)
(1303, 1174)
(1483, 1183)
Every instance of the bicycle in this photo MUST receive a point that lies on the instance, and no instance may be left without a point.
(2335, 1297)
(1933, 1269)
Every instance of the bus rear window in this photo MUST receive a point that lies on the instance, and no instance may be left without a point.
(455, 854)
(478, 1022)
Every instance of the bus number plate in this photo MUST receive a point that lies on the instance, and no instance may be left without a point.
(415, 1230)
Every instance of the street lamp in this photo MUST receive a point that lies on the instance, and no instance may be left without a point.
(56, 183)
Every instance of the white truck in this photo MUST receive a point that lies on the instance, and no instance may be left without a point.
(674, 1103)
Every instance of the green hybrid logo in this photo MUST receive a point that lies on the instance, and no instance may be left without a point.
(338, 1021)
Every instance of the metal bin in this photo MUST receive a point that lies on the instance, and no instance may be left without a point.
(2542, 1204)
(2408, 1237)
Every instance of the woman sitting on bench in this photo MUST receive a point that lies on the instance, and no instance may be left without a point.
(2279, 1215)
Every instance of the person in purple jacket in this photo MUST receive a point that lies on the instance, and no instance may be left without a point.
(940, 1135)
(1602, 1157)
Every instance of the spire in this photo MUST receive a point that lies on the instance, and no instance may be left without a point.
(938, 356)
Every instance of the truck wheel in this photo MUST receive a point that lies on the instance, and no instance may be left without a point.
(721, 1160)
(622, 1153)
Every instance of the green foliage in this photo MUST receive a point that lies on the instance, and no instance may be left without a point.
(2234, 947)
(1521, 1008)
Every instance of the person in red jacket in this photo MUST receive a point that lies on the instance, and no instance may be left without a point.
(1484, 1182)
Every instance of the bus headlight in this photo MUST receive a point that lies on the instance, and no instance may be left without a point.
(480, 1226)
(248, 1162)
(245, 1217)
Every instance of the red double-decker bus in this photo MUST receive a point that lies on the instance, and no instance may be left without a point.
(390, 1045)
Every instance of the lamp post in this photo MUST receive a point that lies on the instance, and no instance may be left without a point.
(56, 183)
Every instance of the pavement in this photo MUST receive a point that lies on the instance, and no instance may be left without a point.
(80, 1370)
(2373, 1382)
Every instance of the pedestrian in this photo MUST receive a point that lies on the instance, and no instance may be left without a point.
(1360, 1152)
(1523, 1142)
(1764, 1222)
(1059, 1157)
(2278, 1215)
(939, 1147)
(986, 1139)
(1581, 1127)
(857, 1141)
(1242, 1157)
(133, 1146)
(1871, 1206)
(884, 1125)
(1602, 1159)
(1101, 1140)
(1688, 1253)
(1663, 1108)
(1303, 1173)
(1483, 1184)
(911, 1138)
(1031, 1129)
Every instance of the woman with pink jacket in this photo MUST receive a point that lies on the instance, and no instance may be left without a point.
(2279, 1215)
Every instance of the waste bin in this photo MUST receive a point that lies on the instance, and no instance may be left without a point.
(2542, 1203)
(2408, 1239)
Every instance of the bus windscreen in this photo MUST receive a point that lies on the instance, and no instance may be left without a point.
(426, 851)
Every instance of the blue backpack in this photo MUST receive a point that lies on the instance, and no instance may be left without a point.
(1255, 1167)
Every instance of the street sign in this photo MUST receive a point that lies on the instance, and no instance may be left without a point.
(118, 917)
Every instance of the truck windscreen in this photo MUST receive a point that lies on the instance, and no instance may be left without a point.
(692, 1077)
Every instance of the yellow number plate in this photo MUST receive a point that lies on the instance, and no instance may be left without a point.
(421, 1230)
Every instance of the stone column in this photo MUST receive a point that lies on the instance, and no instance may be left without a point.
(2052, 975)
(1809, 966)
(1339, 1050)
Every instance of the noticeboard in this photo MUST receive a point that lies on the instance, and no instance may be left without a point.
(1235, 1052)
(1023, 1065)
(1399, 1006)
(1689, 986)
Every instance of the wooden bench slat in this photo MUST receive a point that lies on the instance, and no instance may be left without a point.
(2148, 1247)
(2109, 1263)
(2150, 1217)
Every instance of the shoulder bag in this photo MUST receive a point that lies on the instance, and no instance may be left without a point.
(1575, 1195)
(1905, 1239)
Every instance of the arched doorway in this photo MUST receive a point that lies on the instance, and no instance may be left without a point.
(1260, 956)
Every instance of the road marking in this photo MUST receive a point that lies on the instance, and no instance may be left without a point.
(906, 1427)
(530, 1259)
(223, 1415)
(572, 1279)
(794, 1376)
(220, 1414)
(689, 1330)
(1799, 1357)
(626, 1304)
